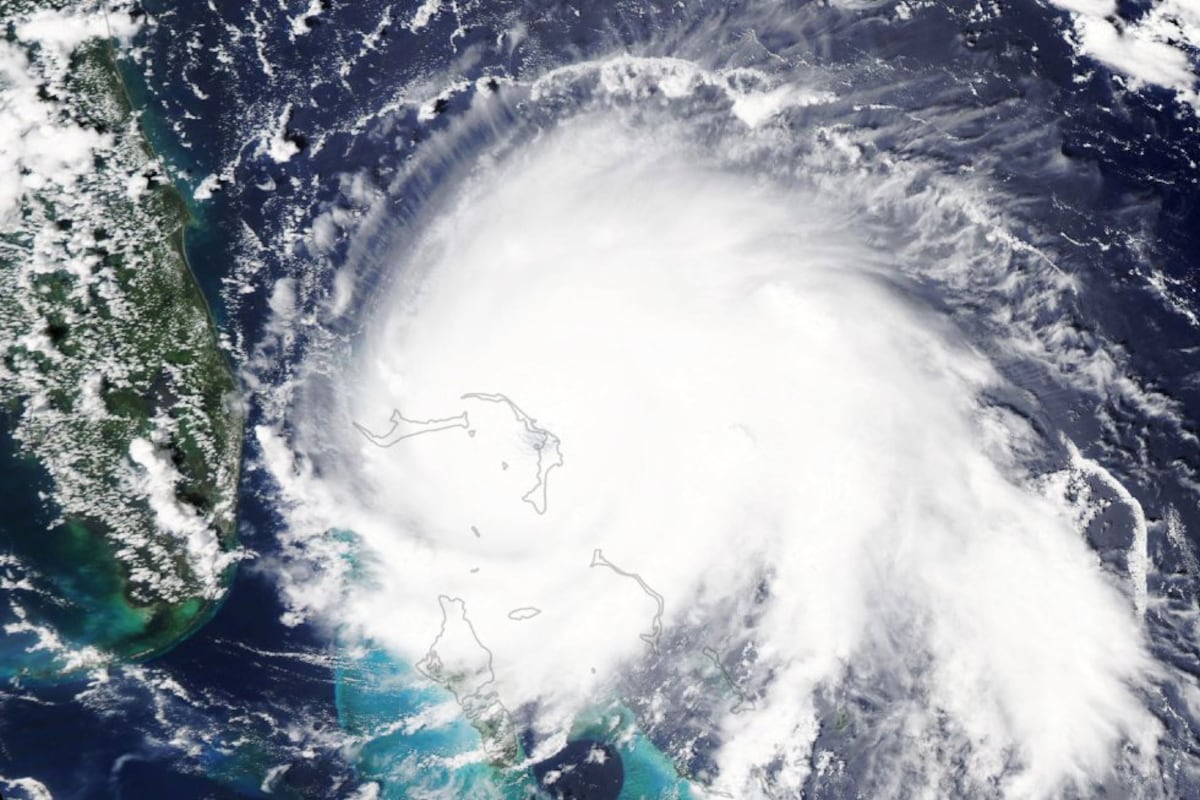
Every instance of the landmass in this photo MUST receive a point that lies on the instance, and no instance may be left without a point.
(523, 613)
(462, 664)
(405, 428)
(744, 702)
(651, 638)
(112, 383)
(545, 443)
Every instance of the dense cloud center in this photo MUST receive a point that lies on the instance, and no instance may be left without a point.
(711, 382)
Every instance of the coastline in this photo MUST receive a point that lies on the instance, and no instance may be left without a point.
(126, 412)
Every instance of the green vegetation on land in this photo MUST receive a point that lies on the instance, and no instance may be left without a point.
(109, 366)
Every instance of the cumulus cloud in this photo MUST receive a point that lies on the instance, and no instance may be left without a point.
(1158, 48)
(37, 148)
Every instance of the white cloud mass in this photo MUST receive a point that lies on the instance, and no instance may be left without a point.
(757, 421)
(1156, 48)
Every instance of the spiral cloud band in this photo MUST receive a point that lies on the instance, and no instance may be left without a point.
(630, 413)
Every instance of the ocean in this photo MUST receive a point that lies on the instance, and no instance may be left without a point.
(314, 142)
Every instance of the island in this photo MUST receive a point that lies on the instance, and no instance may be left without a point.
(461, 663)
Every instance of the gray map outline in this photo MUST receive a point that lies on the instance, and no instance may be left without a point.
(548, 442)
(545, 441)
(428, 426)
(656, 627)
(429, 665)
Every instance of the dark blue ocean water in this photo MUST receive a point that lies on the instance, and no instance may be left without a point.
(248, 693)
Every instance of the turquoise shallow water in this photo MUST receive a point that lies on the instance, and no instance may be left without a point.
(210, 226)
(410, 736)
(649, 773)
(63, 578)
(380, 700)
(1103, 167)
(67, 589)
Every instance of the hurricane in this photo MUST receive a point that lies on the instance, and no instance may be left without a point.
(683, 400)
